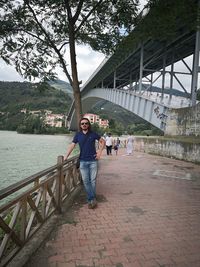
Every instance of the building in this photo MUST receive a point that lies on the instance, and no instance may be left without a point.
(93, 118)
(54, 120)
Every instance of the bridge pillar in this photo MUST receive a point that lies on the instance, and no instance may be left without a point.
(141, 67)
(171, 80)
(196, 67)
(184, 121)
(114, 82)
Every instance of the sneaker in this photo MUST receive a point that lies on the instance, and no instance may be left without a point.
(90, 206)
(94, 203)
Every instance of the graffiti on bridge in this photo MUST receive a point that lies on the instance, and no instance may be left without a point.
(159, 115)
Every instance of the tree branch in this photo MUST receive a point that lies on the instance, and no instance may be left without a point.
(69, 13)
(75, 17)
(65, 43)
(85, 19)
(39, 24)
(50, 42)
(31, 34)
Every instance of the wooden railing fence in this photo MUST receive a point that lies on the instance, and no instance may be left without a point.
(43, 194)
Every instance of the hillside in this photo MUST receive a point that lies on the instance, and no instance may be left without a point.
(112, 111)
(15, 96)
(63, 86)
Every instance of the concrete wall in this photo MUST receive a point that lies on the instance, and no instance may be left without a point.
(184, 121)
(169, 148)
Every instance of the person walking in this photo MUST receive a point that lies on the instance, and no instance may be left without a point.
(129, 145)
(117, 145)
(109, 144)
(88, 158)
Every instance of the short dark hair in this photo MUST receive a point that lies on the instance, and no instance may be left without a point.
(89, 128)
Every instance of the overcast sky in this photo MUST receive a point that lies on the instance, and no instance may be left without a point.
(87, 62)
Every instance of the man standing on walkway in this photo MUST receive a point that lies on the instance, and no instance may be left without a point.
(88, 158)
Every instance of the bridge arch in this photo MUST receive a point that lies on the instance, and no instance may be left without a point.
(151, 111)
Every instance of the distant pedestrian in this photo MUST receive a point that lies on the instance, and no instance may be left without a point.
(88, 158)
(129, 145)
(117, 145)
(109, 144)
(118, 141)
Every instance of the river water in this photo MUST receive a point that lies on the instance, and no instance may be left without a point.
(22, 155)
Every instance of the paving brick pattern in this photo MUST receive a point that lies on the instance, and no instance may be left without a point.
(148, 215)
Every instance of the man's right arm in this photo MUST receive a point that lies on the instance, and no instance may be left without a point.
(69, 150)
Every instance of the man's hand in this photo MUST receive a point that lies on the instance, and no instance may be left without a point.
(70, 148)
(101, 147)
(98, 155)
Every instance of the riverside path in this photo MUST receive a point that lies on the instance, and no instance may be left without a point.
(148, 215)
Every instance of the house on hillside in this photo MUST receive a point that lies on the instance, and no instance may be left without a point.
(54, 120)
(93, 118)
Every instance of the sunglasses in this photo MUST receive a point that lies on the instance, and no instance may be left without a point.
(84, 123)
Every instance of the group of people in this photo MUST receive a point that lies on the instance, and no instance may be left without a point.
(110, 144)
(89, 156)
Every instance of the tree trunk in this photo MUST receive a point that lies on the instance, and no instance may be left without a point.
(75, 82)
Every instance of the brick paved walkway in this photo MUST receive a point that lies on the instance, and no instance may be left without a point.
(148, 216)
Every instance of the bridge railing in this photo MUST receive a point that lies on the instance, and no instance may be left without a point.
(173, 101)
(35, 199)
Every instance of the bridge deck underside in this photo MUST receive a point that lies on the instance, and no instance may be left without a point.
(129, 65)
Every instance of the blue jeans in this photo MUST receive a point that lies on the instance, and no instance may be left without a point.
(88, 171)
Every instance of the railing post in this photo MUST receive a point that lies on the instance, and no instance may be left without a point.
(23, 220)
(59, 183)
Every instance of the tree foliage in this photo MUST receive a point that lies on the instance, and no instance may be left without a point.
(37, 33)
(167, 17)
(162, 21)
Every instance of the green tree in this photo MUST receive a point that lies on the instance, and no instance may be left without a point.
(36, 34)
(32, 124)
(97, 129)
(112, 123)
(165, 18)
(119, 129)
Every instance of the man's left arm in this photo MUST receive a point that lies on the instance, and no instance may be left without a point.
(101, 145)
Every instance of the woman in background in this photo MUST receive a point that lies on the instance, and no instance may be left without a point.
(129, 145)
(117, 145)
